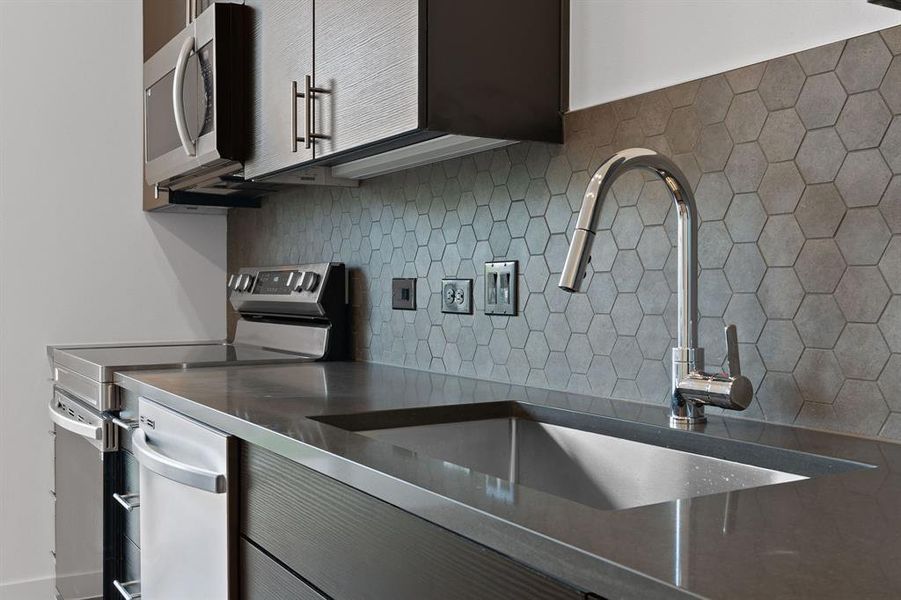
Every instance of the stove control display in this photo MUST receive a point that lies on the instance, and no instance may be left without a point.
(275, 282)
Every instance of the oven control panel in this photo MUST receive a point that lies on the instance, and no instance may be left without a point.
(292, 289)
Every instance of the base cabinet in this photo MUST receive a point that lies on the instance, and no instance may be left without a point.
(348, 545)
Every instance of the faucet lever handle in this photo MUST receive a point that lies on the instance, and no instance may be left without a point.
(732, 351)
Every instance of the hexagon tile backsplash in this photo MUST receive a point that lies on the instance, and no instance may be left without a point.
(796, 164)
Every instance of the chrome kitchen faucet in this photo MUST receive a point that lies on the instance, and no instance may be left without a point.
(692, 388)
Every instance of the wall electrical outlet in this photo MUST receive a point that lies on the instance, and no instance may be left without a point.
(403, 293)
(456, 296)
(501, 288)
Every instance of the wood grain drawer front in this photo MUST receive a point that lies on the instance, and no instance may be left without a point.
(264, 579)
(350, 545)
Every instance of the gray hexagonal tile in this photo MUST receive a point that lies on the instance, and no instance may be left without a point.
(860, 408)
(652, 381)
(713, 244)
(820, 156)
(537, 235)
(822, 58)
(713, 147)
(819, 321)
(863, 121)
(745, 79)
(781, 241)
(861, 351)
(653, 337)
(746, 117)
(781, 188)
(558, 214)
(601, 375)
(654, 247)
(891, 146)
(890, 205)
(537, 197)
(779, 345)
(682, 94)
(781, 83)
(654, 202)
(579, 313)
(682, 129)
(779, 397)
(782, 134)
(818, 375)
(628, 134)
(627, 188)
(626, 314)
(862, 178)
(745, 313)
(890, 382)
(627, 228)
(575, 192)
(499, 346)
(746, 167)
(602, 292)
(821, 101)
(654, 112)
(713, 99)
(579, 354)
(820, 210)
(713, 196)
(820, 266)
(891, 86)
(890, 324)
(602, 334)
(892, 38)
(745, 218)
(745, 268)
(626, 357)
(780, 293)
(653, 292)
(557, 332)
(890, 264)
(627, 271)
(713, 293)
(537, 350)
(862, 236)
(862, 294)
(863, 63)
(536, 312)
(499, 239)
(558, 174)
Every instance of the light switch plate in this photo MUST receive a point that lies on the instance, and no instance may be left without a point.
(403, 293)
(456, 296)
(501, 288)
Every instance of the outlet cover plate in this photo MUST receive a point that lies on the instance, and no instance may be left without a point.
(403, 293)
(501, 288)
(456, 296)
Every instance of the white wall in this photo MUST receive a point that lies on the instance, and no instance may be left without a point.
(620, 48)
(79, 261)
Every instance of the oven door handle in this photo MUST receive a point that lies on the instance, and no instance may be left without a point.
(177, 471)
(93, 432)
(178, 92)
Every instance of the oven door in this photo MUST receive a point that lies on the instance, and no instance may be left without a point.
(84, 442)
(192, 128)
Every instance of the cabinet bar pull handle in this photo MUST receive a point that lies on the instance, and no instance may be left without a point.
(309, 90)
(128, 501)
(122, 588)
(294, 96)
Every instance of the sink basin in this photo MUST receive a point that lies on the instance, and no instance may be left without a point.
(601, 462)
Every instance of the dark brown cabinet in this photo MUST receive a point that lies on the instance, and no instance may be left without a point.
(392, 74)
(319, 535)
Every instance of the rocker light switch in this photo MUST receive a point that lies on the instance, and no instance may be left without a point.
(500, 288)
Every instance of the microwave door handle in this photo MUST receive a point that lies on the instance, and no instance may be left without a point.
(93, 432)
(178, 90)
(175, 470)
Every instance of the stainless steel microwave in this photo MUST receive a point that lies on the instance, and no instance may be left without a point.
(195, 107)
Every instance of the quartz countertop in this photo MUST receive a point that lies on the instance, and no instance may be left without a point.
(833, 536)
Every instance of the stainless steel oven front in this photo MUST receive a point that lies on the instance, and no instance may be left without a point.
(85, 469)
(194, 102)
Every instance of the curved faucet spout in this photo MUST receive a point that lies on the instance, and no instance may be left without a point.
(579, 254)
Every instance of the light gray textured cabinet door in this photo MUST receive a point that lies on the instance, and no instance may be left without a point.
(281, 53)
(367, 56)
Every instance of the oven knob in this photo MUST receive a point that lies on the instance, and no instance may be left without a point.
(298, 281)
(231, 282)
(247, 282)
(308, 281)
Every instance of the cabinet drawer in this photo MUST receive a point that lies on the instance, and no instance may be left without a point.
(350, 545)
(264, 579)
(131, 520)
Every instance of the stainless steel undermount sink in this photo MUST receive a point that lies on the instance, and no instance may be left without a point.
(605, 463)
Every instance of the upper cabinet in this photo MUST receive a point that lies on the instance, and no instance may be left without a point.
(367, 87)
